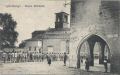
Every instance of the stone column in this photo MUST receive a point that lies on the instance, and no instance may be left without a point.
(91, 46)
(101, 54)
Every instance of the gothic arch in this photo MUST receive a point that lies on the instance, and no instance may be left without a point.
(85, 39)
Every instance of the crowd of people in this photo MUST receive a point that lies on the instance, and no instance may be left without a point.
(40, 57)
(28, 57)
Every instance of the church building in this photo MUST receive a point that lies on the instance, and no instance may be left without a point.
(53, 40)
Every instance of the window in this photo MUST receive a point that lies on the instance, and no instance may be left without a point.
(50, 49)
(39, 43)
(30, 48)
(65, 18)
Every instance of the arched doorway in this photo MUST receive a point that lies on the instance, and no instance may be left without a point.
(95, 49)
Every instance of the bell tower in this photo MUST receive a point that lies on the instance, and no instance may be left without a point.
(61, 20)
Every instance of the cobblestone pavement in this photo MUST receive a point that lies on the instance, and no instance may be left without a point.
(42, 68)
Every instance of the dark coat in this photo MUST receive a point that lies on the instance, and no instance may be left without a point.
(49, 60)
(105, 63)
(65, 58)
(87, 65)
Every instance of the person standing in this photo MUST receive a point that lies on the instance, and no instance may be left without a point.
(42, 57)
(31, 57)
(65, 59)
(81, 60)
(87, 64)
(105, 65)
(4, 57)
(49, 60)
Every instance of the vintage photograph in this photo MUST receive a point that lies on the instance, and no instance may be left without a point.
(59, 37)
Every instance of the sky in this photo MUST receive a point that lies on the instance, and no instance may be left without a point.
(32, 15)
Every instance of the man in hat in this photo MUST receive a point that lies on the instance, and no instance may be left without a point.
(105, 64)
(65, 59)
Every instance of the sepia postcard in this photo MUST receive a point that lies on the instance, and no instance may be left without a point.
(59, 37)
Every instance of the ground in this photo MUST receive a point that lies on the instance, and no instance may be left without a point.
(42, 68)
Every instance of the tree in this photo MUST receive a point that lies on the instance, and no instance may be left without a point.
(9, 34)
(22, 44)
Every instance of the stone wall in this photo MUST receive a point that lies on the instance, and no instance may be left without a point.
(33, 45)
(96, 17)
(58, 45)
